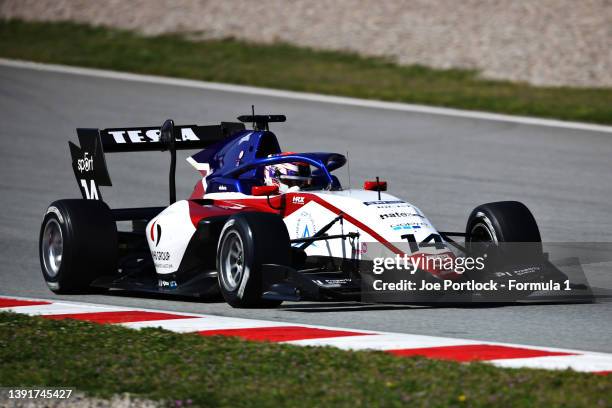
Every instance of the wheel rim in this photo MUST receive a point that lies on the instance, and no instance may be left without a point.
(232, 261)
(482, 236)
(52, 247)
(481, 233)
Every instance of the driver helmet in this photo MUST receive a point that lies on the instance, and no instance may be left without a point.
(288, 177)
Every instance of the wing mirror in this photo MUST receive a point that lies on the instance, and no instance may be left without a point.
(264, 190)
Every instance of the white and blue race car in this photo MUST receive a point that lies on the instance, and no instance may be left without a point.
(300, 237)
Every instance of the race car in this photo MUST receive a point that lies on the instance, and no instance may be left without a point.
(261, 226)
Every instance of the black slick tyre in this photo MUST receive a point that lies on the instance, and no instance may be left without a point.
(247, 241)
(77, 244)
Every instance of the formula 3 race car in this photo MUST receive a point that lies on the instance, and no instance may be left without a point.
(256, 244)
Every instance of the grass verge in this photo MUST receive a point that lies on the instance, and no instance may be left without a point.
(283, 66)
(221, 371)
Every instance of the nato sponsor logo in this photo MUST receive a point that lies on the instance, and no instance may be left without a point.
(400, 214)
(396, 214)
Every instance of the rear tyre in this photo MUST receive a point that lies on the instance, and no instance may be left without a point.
(77, 244)
(248, 241)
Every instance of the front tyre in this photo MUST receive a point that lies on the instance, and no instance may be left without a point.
(247, 241)
(502, 221)
(503, 231)
(77, 244)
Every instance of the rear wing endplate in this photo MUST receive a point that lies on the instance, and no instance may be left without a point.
(89, 164)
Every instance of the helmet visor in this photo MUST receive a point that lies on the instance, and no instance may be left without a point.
(292, 181)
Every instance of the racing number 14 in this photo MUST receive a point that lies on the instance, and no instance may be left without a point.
(414, 245)
(91, 192)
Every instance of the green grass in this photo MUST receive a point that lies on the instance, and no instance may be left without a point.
(288, 67)
(220, 371)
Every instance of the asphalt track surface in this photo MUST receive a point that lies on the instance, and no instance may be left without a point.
(443, 164)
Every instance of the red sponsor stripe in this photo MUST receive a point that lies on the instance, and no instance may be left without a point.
(602, 372)
(280, 333)
(8, 302)
(358, 224)
(290, 207)
(124, 316)
(476, 352)
(378, 237)
(262, 205)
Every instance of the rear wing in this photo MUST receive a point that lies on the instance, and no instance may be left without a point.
(89, 164)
